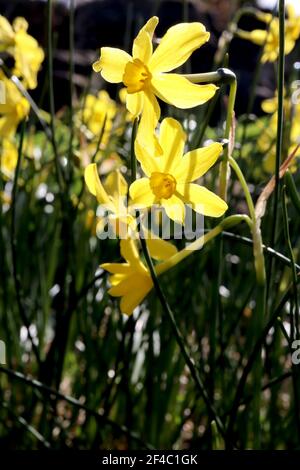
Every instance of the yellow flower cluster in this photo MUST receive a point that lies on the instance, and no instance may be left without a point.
(28, 56)
(170, 172)
(267, 140)
(269, 38)
(145, 74)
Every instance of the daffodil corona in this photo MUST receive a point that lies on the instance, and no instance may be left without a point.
(145, 74)
(169, 178)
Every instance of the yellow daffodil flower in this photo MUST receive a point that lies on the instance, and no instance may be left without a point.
(267, 140)
(28, 56)
(98, 111)
(270, 38)
(111, 195)
(15, 108)
(169, 178)
(270, 105)
(131, 280)
(8, 157)
(145, 74)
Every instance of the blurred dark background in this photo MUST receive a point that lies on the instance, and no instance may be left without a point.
(116, 22)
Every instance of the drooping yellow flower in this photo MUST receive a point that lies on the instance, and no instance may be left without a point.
(98, 111)
(269, 38)
(169, 178)
(291, 136)
(145, 74)
(8, 157)
(112, 197)
(28, 55)
(131, 280)
(13, 110)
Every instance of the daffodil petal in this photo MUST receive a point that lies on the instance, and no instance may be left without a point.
(136, 295)
(196, 163)
(115, 184)
(112, 64)
(270, 106)
(160, 249)
(116, 268)
(130, 252)
(148, 163)
(125, 285)
(149, 119)
(134, 103)
(174, 208)
(142, 45)
(202, 200)
(172, 139)
(180, 92)
(177, 45)
(141, 194)
(6, 33)
(94, 184)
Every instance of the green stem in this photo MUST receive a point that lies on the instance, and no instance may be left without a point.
(227, 151)
(260, 298)
(292, 189)
(230, 221)
(295, 313)
(51, 392)
(279, 139)
(179, 338)
(132, 152)
(13, 242)
(51, 96)
(72, 88)
(221, 75)
(224, 76)
(256, 233)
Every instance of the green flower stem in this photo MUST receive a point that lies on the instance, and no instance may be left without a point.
(179, 338)
(279, 139)
(72, 87)
(295, 313)
(256, 233)
(132, 152)
(227, 151)
(51, 96)
(223, 76)
(269, 251)
(13, 243)
(258, 319)
(48, 392)
(292, 190)
(227, 35)
(200, 242)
